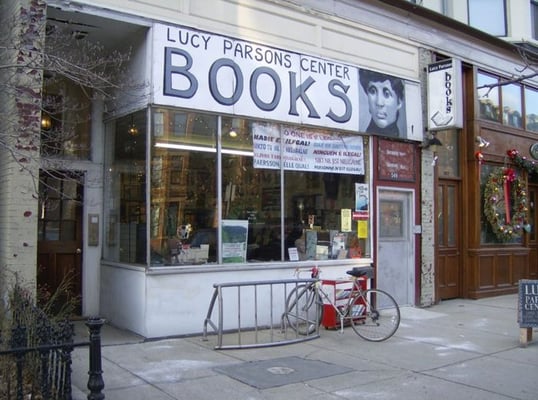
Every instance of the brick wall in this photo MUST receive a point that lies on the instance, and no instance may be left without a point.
(22, 29)
(427, 267)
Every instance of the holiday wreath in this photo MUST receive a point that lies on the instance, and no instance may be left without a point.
(505, 203)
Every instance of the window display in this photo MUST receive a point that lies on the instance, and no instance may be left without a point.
(214, 180)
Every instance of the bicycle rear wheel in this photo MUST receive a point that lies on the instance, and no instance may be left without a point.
(379, 317)
(303, 309)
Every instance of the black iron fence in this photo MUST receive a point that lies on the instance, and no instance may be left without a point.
(35, 358)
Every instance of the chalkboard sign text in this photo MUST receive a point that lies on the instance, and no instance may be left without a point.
(528, 303)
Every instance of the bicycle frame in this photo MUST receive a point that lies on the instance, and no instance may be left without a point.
(343, 312)
(373, 314)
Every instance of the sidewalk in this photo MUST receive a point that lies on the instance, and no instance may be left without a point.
(460, 349)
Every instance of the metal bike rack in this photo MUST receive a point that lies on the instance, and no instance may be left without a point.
(259, 307)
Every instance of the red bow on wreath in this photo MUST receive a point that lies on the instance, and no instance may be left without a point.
(509, 177)
(512, 153)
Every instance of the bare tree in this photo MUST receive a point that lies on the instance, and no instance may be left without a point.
(48, 80)
(529, 56)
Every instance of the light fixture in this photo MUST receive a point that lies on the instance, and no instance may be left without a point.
(46, 121)
(482, 142)
(175, 146)
(236, 127)
(433, 141)
(133, 130)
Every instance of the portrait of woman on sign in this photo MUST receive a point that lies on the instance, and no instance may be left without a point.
(382, 104)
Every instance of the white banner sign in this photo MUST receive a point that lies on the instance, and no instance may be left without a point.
(303, 150)
(199, 70)
(445, 101)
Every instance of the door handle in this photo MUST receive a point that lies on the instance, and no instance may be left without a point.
(78, 251)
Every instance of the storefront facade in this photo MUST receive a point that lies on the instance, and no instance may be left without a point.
(257, 165)
(253, 142)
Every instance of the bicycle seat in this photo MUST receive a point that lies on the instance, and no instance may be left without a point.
(358, 272)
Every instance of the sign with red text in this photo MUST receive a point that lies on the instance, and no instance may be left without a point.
(396, 161)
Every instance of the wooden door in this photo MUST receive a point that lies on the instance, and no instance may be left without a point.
(448, 262)
(60, 236)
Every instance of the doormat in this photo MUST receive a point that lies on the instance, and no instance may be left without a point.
(280, 372)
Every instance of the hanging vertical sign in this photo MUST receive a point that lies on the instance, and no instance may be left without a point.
(445, 101)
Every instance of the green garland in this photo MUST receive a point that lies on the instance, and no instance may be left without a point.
(494, 204)
(522, 162)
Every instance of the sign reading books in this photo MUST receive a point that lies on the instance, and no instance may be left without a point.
(445, 95)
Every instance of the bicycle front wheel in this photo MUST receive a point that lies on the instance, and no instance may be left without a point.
(377, 315)
(303, 309)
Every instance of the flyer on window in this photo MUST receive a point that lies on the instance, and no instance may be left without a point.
(362, 200)
(234, 240)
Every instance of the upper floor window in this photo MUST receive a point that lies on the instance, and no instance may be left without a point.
(531, 109)
(488, 96)
(534, 19)
(511, 104)
(511, 100)
(488, 16)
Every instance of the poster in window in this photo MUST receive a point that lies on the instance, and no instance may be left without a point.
(362, 200)
(234, 240)
(345, 214)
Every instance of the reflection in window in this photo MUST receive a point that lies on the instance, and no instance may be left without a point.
(451, 205)
(60, 206)
(448, 164)
(440, 216)
(488, 16)
(65, 122)
(183, 190)
(488, 97)
(511, 99)
(531, 109)
(391, 223)
(126, 189)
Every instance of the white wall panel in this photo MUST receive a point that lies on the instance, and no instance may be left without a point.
(327, 31)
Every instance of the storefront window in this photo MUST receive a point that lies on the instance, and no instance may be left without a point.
(531, 109)
(493, 232)
(448, 165)
(65, 122)
(511, 99)
(183, 188)
(125, 191)
(488, 97)
(266, 208)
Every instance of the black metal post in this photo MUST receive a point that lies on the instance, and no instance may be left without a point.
(95, 380)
